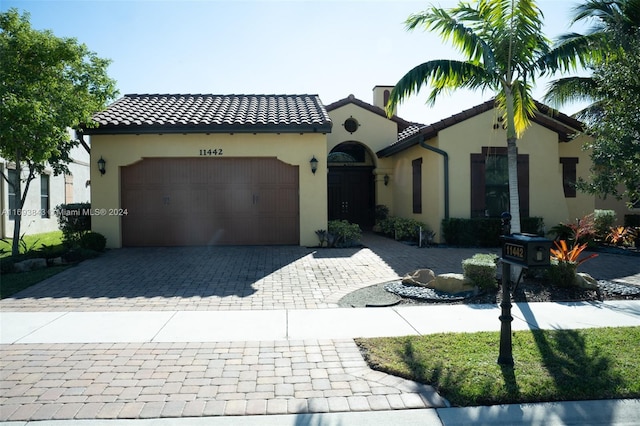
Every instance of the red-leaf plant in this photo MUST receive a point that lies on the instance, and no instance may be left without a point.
(562, 253)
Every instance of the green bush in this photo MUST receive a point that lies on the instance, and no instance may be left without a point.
(603, 220)
(402, 229)
(382, 213)
(93, 241)
(483, 232)
(562, 274)
(342, 233)
(481, 270)
(74, 220)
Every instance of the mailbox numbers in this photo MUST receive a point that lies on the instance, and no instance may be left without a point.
(207, 152)
(513, 250)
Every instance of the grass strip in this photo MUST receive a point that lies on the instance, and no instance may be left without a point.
(32, 242)
(550, 365)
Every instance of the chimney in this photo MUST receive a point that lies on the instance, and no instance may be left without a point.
(381, 96)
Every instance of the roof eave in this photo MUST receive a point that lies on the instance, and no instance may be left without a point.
(133, 130)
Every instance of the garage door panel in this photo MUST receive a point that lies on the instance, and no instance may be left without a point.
(201, 201)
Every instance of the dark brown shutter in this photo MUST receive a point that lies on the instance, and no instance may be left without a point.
(523, 184)
(417, 185)
(478, 203)
(569, 175)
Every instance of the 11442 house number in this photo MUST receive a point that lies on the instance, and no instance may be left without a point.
(212, 151)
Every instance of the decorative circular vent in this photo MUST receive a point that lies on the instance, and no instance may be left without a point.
(351, 124)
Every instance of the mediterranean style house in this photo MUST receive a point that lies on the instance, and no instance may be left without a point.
(272, 169)
(45, 193)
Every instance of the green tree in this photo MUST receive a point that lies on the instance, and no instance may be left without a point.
(47, 85)
(615, 128)
(613, 117)
(505, 52)
(614, 28)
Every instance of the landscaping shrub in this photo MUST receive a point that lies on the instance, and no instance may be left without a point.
(341, 233)
(74, 220)
(402, 229)
(93, 241)
(603, 221)
(481, 270)
(562, 274)
(483, 232)
(582, 231)
(381, 213)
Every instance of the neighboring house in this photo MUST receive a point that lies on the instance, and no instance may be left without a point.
(46, 192)
(238, 169)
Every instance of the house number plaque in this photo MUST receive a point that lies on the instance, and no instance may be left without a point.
(211, 151)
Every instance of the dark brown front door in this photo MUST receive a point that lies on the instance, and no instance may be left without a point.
(351, 195)
(204, 201)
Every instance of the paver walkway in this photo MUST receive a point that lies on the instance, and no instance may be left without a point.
(150, 380)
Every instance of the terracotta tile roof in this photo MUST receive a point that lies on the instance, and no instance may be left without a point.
(562, 124)
(196, 113)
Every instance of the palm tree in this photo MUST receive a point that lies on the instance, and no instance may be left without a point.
(615, 24)
(505, 51)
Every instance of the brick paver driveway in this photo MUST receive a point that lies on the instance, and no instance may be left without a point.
(150, 380)
(234, 278)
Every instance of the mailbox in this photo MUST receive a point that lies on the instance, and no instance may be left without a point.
(526, 250)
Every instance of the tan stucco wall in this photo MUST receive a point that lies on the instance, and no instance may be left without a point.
(432, 186)
(459, 141)
(619, 206)
(294, 149)
(582, 204)
(376, 133)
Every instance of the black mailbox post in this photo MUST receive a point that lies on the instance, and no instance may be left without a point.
(526, 251)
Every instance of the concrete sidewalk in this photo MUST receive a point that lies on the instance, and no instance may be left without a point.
(296, 366)
(583, 413)
(296, 324)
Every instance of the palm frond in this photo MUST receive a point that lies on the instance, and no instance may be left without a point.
(440, 75)
(451, 29)
(571, 89)
(574, 50)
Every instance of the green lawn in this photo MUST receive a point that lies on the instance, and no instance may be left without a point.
(34, 242)
(12, 283)
(550, 365)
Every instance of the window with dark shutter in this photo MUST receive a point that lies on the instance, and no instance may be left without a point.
(44, 196)
(490, 183)
(12, 175)
(417, 185)
(569, 175)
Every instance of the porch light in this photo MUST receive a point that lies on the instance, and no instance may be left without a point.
(314, 164)
(101, 165)
(386, 180)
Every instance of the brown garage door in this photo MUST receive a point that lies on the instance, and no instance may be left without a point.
(204, 201)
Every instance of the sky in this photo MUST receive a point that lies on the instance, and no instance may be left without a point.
(330, 48)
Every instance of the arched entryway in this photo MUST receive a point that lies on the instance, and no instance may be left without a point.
(351, 184)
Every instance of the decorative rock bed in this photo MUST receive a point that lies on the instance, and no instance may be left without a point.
(426, 293)
(618, 288)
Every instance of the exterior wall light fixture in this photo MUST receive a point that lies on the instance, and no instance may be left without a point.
(314, 164)
(101, 165)
(386, 180)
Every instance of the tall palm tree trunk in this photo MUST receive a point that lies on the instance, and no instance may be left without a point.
(512, 161)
